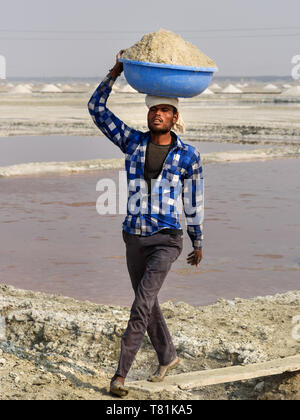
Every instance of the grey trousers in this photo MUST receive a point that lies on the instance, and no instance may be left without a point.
(149, 259)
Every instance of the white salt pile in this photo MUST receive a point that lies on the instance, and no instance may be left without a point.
(270, 87)
(167, 47)
(127, 89)
(50, 88)
(116, 88)
(4, 86)
(293, 91)
(231, 89)
(66, 88)
(20, 90)
(215, 86)
(208, 92)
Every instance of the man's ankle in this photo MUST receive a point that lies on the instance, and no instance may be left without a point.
(118, 378)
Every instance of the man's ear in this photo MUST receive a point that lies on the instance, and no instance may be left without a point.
(175, 118)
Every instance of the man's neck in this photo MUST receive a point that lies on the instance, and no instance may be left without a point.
(162, 139)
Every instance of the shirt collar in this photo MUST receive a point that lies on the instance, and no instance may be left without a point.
(178, 141)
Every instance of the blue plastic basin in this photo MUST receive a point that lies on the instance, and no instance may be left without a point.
(167, 80)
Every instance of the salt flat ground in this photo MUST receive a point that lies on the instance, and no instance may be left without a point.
(223, 117)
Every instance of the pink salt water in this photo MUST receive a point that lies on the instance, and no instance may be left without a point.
(53, 240)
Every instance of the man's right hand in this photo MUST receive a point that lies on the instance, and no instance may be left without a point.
(118, 67)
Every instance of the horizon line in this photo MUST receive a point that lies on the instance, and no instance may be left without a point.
(99, 77)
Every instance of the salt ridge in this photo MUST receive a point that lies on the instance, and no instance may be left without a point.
(40, 168)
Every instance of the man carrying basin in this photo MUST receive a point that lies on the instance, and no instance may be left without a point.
(163, 172)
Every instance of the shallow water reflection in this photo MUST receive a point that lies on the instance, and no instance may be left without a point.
(53, 240)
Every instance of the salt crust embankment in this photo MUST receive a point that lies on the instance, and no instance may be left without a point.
(59, 348)
(39, 168)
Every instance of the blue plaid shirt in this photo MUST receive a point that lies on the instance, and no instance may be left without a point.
(181, 176)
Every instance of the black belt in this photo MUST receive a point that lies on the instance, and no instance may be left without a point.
(165, 231)
(171, 231)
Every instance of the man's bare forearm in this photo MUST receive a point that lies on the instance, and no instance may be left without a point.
(117, 70)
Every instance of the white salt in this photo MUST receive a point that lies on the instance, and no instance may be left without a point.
(168, 48)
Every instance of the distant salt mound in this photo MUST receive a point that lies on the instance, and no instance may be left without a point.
(115, 88)
(6, 86)
(215, 86)
(208, 92)
(270, 88)
(20, 90)
(293, 91)
(49, 88)
(66, 88)
(127, 89)
(286, 86)
(231, 89)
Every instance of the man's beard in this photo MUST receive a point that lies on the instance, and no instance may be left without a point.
(160, 131)
(155, 130)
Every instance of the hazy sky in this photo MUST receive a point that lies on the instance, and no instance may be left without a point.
(81, 38)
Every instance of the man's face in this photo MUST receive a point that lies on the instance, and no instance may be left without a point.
(161, 118)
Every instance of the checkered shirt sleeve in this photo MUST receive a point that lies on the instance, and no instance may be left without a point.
(193, 200)
(110, 125)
